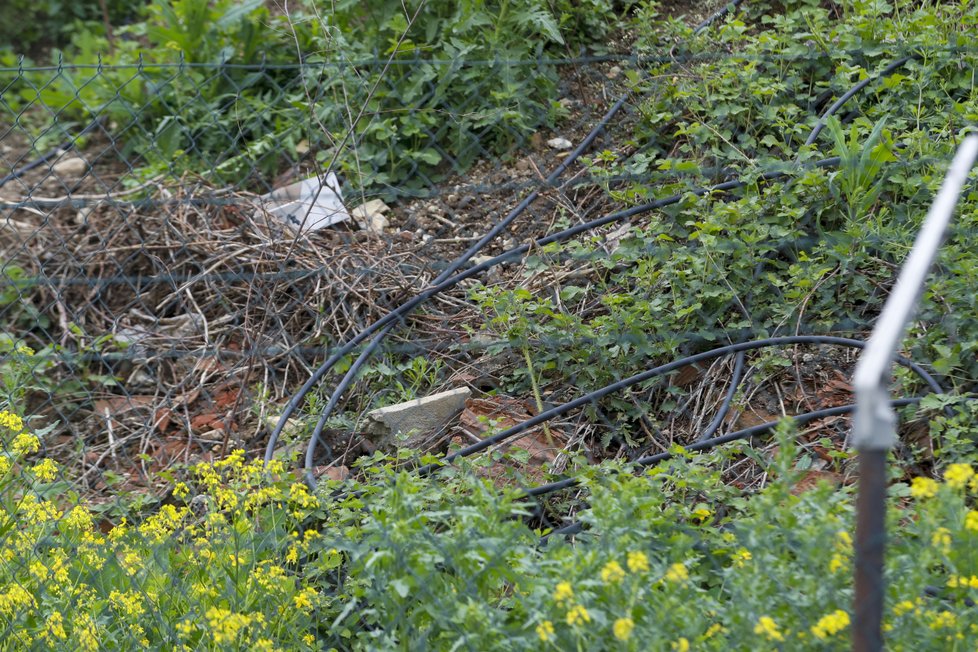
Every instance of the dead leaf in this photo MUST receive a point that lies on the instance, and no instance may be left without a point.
(501, 413)
(812, 478)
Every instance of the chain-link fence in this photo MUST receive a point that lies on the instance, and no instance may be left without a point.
(141, 266)
(180, 277)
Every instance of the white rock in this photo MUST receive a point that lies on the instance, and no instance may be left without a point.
(70, 167)
(374, 206)
(559, 143)
(375, 223)
(81, 217)
(614, 72)
(370, 215)
(408, 424)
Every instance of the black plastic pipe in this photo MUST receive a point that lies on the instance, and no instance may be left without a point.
(406, 308)
(512, 254)
(660, 370)
(746, 433)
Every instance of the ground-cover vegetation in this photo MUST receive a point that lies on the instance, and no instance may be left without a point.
(244, 557)
(241, 556)
(396, 97)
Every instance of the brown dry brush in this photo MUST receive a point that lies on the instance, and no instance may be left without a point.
(188, 298)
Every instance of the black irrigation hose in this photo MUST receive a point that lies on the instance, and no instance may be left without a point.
(347, 379)
(407, 307)
(720, 13)
(660, 370)
(746, 433)
(512, 254)
(738, 370)
(890, 69)
(41, 160)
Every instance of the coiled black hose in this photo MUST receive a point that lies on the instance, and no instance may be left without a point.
(398, 314)
(746, 433)
(660, 370)
(512, 254)
(404, 310)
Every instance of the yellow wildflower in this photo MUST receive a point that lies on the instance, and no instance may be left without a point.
(622, 628)
(831, 624)
(638, 562)
(226, 625)
(958, 476)
(682, 645)
(11, 421)
(305, 600)
(676, 573)
(578, 615)
(701, 514)
(545, 631)
(85, 632)
(292, 555)
(843, 540)
(942, 620)
(54, 629)
(129, 603)
(563, 592)
(741, 557)
(902, 607)
(971, 521)
(181, 490)
(923, 488)
(612, 573)
(46, 470)
(25, 443)
(767, 628)
(15, 599)
(941, 539)
(837, 563)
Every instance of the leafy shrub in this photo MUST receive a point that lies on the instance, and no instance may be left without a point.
(244, 557)
(26, 24)
(436, 92)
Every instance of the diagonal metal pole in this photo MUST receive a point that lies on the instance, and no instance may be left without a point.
(874, 429)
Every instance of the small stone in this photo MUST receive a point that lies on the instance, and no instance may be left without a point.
(465, 201)
(559, 143)
(408, 424)
(614, 72)
(81, 217)
(375, 206)
(370, 216)
(478, 260)
(522, 165)
(376, 223)
(70, 167)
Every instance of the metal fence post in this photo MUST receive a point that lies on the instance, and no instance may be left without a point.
(874, 429)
